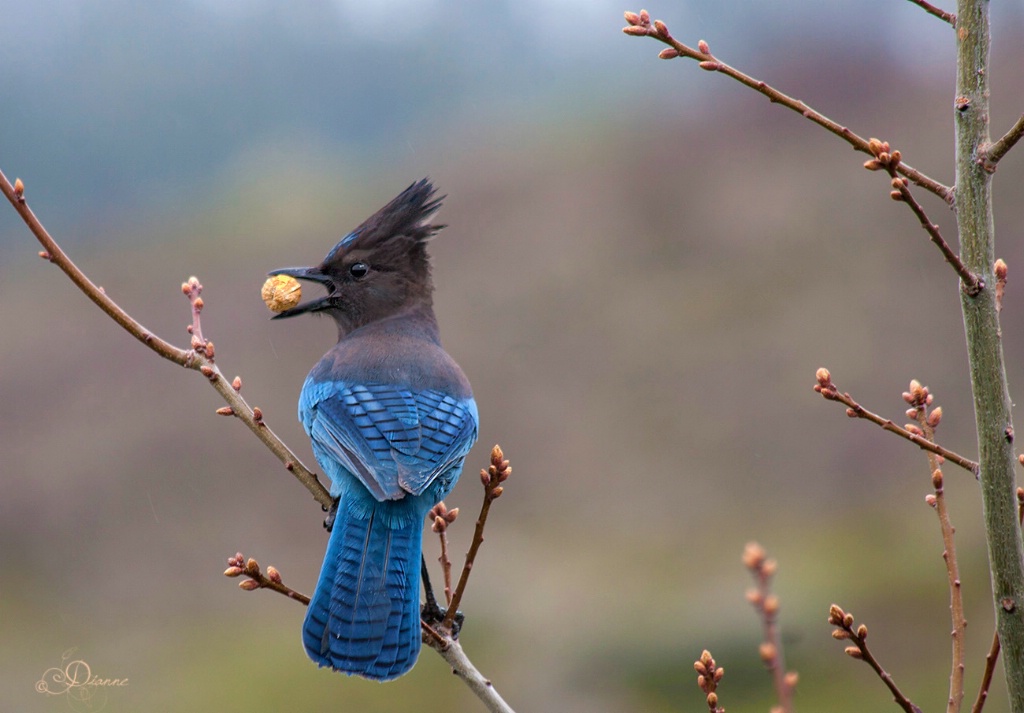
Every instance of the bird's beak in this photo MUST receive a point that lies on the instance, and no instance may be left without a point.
(312, 274)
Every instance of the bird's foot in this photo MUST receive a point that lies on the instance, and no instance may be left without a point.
(433, 615)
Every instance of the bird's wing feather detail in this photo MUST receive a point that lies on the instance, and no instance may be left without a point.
(395, 441)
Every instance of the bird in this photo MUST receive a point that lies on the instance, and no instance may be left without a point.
(391, 418)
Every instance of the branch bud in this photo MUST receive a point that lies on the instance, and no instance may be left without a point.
(232, 571)
(19, 188)
(225, 411)
(1000, 269)
(632, 18)
(237, 383)
(753, 555)
(668, 53)
(930, 500)
(273, 575)
(635, 30)
(935, 417)
(709, 65)
(249, 585)
(875, 147)
(767, 652)
(862, 632)
(703, 47)
(853, 652)
(661, 28)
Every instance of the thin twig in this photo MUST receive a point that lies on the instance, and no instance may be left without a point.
(844, 630)
(766, 603)
(709, 675)
(920, 400)
(991, 154)
(956, 602)
(440, 518)
(497, 473)
(828, 390)
(890, 160)
(238, 565)
(640, 25)
(199, 358)
(937, 12)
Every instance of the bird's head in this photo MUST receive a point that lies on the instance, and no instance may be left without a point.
(380, 268)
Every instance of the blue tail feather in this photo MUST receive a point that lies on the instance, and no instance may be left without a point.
(364, 615)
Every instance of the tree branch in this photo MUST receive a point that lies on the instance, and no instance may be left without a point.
(932, 10)
(993, 407)
(859, 636)
(828, 390)
(199, 358)
(990, 154)
(492, 478)
(463, 668)
(889, 160)
(640, 25)
(920, 401)
(766, 604)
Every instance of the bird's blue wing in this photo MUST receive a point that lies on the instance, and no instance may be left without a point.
(448, 428)
(395, 441)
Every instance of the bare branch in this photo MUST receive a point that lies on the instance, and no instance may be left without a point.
(440, 518)
(937, 12)
(199, 358)
(463, 668)
(844, 631)
(640, 25)
(709, 675)
(991, 154)
(890, 160)
(827, 389)
(766, 603)
(238, 565)
(497, 473)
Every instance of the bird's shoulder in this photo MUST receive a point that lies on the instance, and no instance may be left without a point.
(408, 360)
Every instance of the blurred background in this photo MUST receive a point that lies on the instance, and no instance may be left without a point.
(645, 265)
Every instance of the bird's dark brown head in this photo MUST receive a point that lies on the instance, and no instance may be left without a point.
(379, 269)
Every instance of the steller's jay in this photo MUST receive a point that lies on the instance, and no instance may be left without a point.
(391, 417)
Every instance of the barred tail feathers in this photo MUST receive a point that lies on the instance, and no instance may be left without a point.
(364, 616)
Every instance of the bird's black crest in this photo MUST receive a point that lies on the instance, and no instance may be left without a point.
(404, 220)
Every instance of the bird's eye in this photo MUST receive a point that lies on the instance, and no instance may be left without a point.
(359, 270)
